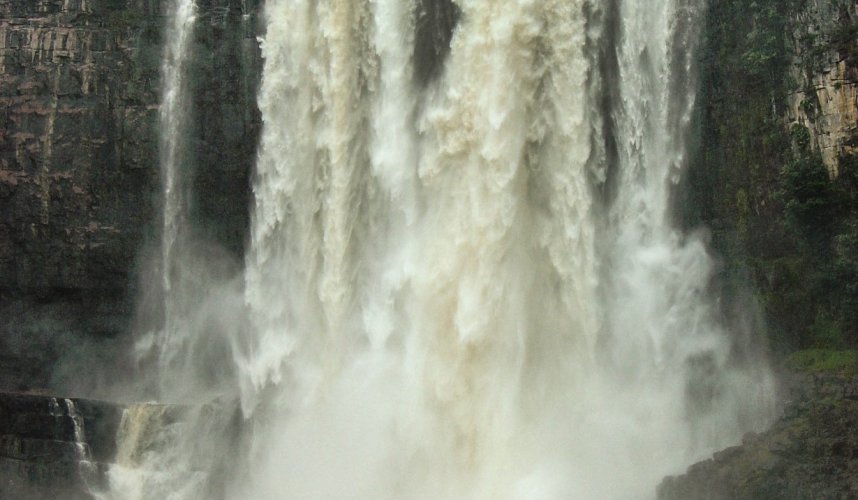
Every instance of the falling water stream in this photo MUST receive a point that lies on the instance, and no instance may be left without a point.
(467, 285)
(175, 197)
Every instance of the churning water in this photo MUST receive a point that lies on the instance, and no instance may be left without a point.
(463, 282)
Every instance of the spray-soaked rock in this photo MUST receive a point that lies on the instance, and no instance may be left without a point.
(810, 452)
(53, 447)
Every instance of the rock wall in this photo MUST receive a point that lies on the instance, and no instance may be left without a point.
(54, 448)
(79, 172)
(78, 150)
(776, 173)
(811, 452)
(825, 67)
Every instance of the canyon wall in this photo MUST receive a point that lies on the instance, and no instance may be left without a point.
(79, 172)
(776, 174)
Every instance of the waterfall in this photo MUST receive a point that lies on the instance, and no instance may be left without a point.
(172, 284)
(435, 296)
(465, 283)
(190, 296)
(67, 412)
(140, 472)
(172, 124)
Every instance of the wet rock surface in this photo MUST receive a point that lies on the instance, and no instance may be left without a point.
(78, 147)
(434, 24)
(811, 452)
(54, 447)
(79, 169)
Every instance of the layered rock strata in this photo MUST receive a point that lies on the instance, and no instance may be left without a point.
(79, 172)
(54, 448)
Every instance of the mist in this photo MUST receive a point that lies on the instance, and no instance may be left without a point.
(463, 278)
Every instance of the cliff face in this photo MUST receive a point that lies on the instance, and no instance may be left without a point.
(777, 181)
(777, 170)
(55, 448)
(79, 172)
(78, 157)
(825, 67)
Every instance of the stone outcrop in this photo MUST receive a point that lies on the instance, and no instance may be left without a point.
(811, 452)
(826, 67)
(65, 448)
(434, 24)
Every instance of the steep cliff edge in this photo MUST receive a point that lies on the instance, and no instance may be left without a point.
(79, 173)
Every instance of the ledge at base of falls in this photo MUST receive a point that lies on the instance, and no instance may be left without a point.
(56, 448)
(53, 447)
(811, 451)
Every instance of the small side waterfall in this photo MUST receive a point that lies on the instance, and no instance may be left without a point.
(172, 122)
(65, 411)
(165, 288)
(192, 288)
(464, 282)
(144, 433)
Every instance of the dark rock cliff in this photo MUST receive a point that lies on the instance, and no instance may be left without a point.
(79, 173)
(776, 179)
(811, 452)
(54, 448)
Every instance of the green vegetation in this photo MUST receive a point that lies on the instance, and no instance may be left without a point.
(842, 362)
(777, 218)
(807, 192)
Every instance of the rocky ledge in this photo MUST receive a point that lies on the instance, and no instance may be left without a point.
(54, 447)
(73, 449)
(811, 452)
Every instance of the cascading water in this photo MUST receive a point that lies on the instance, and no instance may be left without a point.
(169, 288)
(154, 456)
(443, 302)
(192, 287)
(172, 122)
